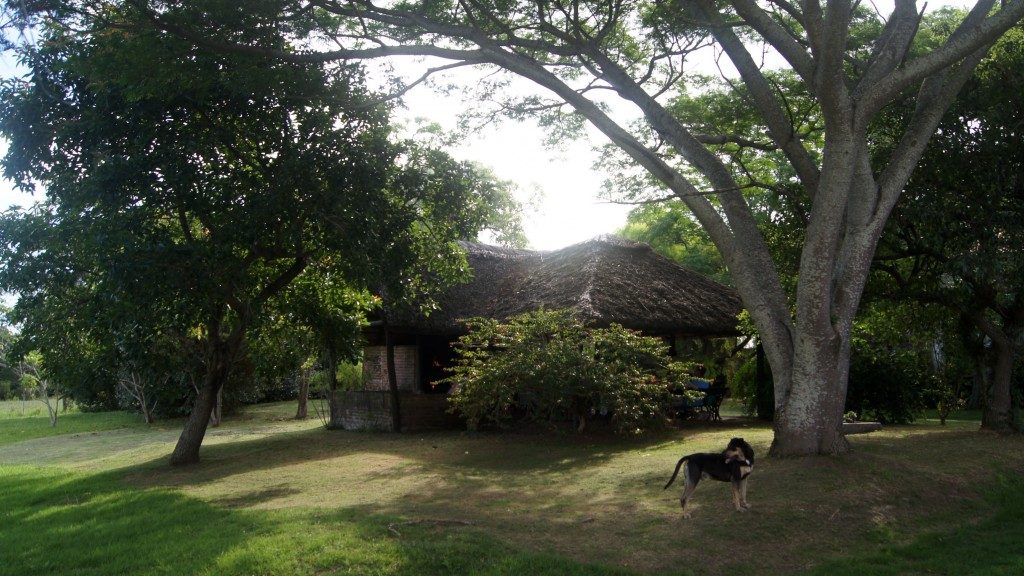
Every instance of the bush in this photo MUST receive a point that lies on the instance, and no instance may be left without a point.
(885, 389)
(744, 386)
(350, 376)
(547, 366)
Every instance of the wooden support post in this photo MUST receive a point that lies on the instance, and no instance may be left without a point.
(396, 414)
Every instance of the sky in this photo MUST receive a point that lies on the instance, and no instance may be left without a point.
(559, 188)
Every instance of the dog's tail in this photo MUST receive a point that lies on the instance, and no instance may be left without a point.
(676, 471)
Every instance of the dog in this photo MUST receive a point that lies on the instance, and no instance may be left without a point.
(734, 464)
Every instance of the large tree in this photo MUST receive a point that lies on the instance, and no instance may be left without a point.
(186, 189)
(636, 53)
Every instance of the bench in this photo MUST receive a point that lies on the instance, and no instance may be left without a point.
(706, 408)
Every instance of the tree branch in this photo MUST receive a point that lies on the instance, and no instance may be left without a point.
(777, 36)
(779, 127)
(974, 32)
(891, 47)
(719, 139)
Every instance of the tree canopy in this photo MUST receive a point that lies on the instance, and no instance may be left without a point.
(180, 203)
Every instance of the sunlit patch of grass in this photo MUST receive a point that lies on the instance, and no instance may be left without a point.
(24, 420)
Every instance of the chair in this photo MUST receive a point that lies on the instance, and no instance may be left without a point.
(713, 397)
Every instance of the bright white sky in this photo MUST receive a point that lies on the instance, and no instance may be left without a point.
(558, 188)
(563, 186)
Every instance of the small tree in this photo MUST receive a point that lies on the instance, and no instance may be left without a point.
(136, 389)
(547, 366)
(35, 383)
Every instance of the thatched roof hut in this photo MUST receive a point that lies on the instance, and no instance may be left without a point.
(605, 280)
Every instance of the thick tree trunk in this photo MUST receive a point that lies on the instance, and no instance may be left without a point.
(811, 418)
(187, 449)
(998, 396)
(998, 413)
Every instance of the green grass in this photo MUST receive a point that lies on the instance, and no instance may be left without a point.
(26, 420)
(989, 547)
(931, 416)
(277, 496)
(55, 522)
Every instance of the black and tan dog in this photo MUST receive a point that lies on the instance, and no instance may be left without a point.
(734, 464)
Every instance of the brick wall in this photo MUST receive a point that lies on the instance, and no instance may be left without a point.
(364, 410)
(375, 367)
(371, 410)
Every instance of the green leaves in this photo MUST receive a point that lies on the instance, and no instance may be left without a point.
(195, 195)
(547, 366)
(671, 229)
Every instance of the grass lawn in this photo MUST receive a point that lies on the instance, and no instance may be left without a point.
(26, 420)
(276, 496)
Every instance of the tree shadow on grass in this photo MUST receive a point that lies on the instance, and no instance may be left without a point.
(460, 451)
(591, 499)
(805, 510)
(991, 546)
(54, 522)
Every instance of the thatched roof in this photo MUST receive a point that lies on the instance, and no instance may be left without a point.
(605, 280)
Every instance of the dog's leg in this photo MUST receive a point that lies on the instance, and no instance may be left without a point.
(736, 502)
(743, 494)
(691, 480)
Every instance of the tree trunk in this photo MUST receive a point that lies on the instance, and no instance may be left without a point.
(998, 413)
(811, 418)
(147, 415)
(187, 449)
(979, 383)
(764, 392)
(302, 412)
(330, 364)
(218, 408)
